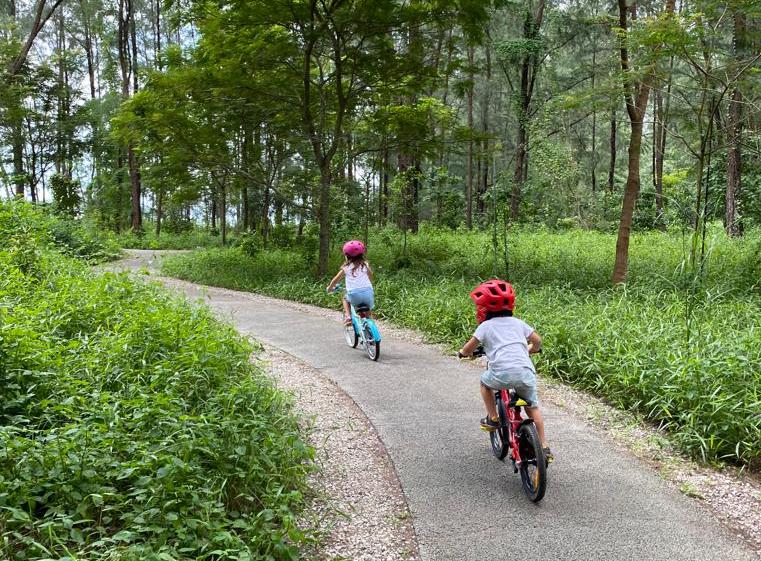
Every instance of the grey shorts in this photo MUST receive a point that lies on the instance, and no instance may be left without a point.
(521, 379)
(361, 296)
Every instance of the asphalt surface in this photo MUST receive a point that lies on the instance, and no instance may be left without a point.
(465, 504)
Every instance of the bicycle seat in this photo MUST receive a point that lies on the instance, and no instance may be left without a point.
(362, 308)
(516, 401)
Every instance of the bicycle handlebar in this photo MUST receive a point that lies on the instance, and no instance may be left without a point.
(481, 352)
(478, 352)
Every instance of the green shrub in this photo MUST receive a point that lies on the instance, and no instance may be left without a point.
(45, 230)
(133, 426)
(250, 243)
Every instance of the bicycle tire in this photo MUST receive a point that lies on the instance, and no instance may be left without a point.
(533, 466)
(372, 347)
(500, 438)
(351, 336)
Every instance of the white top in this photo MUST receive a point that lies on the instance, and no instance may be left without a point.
(356, 278)
(505, 342)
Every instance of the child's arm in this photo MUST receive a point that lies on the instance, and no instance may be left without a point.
(468, 348)
(339, 275)
(534, 343)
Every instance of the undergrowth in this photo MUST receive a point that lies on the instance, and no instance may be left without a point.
(685, 353)
(132, 425)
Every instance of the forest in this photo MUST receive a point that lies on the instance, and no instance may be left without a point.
(320, 117)
(605, 158)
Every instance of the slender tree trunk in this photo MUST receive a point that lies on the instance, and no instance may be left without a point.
(324, 216)
(223, 210)
(636, 95)
(246, 164)
(384, 187)
(159, 211)
(594, 119)
(41, 16)
(613, 149)
(19, 177)
(469, 164)
(732, 222)
(88, 48)
(529, 70)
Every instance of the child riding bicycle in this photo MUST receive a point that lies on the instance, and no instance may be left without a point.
(507, 342)
(358, 277)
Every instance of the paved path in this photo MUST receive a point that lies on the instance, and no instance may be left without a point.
(466, 505)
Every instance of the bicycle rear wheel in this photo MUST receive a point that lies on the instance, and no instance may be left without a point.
(533, 466)
(372, 347)
(352, 337)
(500, 438)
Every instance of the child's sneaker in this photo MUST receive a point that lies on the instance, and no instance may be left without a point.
(549, 457)
(490, 425)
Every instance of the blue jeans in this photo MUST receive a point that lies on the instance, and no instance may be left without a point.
(361, 296)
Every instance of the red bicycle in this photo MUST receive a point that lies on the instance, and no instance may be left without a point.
(517, 437)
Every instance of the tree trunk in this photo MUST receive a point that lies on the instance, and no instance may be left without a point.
(636, 95)
(594, 119)
(159, 211)
(518, 178)
(384, 189)
(613, 148)
(223, 210)
(529, 70)
(469, 164)
(732, 222)
(324, 218)
(19, 177)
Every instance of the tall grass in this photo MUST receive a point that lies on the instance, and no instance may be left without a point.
(699, 378)
(191, 239)
(132, 425)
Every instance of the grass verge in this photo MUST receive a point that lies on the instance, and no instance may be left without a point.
(688, 360)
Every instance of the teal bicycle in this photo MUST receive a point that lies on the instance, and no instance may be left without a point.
(362, 330)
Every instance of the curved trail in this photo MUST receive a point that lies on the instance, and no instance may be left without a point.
(466, 505)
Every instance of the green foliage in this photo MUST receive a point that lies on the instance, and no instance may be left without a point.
(36, 229)
(192, 238)
(700, 379)
(134, 427)
(66, 195)
(250, 243)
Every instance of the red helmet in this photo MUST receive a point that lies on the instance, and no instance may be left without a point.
(493, 296)
(353, 248)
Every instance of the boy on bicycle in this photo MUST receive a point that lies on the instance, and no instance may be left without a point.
(507, 342)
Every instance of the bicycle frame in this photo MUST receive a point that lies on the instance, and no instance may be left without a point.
(360, 320)
(362, 329)
(513, 422)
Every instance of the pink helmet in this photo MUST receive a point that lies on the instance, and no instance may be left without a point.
(353, 248)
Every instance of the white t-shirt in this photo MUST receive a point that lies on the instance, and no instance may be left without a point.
(505, 342)
(356, 278)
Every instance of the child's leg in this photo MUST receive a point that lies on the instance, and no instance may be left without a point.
(487, 394)
(347, 311)
(536, 414)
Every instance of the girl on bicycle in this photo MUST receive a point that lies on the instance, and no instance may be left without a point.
(507, 342)
(359, 276)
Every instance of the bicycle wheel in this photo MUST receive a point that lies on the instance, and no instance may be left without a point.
(533, 465)
(500, 438)
(352, 337)
(372, 347)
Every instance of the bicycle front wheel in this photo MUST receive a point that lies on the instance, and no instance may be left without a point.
(372, 347)
(352, 338)
(533, 465)
(500, 438)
